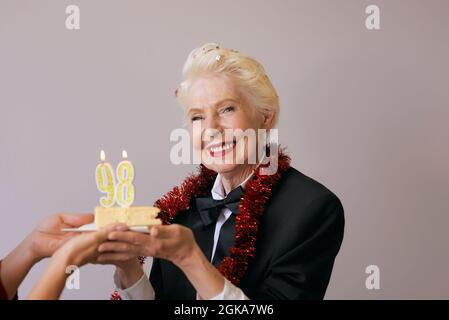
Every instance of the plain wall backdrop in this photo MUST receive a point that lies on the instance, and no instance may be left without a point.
(363, 112)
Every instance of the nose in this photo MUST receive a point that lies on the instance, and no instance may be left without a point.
(212, 128)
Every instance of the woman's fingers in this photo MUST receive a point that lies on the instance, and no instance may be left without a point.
(164, 231)
(76, 220)
(103, 233)
(88, 242)
(116, 246)
(128, 236)
(121, 227)
(113, 258)
(163, 242)
(161, 232)
(153, 247)
(90, 239)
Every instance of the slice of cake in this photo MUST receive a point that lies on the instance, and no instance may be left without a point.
(132, 216)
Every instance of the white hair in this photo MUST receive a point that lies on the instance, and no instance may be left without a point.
(245, 72)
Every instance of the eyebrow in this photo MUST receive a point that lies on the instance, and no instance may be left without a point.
(190, 110)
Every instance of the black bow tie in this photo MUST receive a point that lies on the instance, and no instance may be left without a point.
(210, 209)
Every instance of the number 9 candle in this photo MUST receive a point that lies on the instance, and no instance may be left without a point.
(104, 176)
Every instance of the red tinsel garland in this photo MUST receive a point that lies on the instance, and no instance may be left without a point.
(252, 205)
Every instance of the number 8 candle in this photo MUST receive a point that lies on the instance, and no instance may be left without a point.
(125, 187)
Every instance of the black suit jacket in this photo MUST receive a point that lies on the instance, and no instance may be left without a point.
(299, 236)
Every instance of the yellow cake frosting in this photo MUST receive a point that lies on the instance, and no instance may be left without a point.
(132, 216)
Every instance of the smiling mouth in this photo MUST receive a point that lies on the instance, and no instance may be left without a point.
(220, 150)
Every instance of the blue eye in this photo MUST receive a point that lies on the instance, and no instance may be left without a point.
(228, 109)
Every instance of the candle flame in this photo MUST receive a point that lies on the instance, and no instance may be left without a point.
(124, 154)
(102, 155)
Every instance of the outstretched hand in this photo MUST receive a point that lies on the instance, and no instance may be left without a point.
(47, 237)
(83, 248)
(174, 242)
(79, 250)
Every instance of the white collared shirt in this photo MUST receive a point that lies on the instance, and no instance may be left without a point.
(143, 290)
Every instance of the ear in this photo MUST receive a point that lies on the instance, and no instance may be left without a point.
(268, 120)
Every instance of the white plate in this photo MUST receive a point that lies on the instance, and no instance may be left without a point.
(92, 227)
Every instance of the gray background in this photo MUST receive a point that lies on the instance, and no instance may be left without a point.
(364, 112)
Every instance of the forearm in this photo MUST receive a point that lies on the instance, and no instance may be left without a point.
(204, 277)
(16, 266)
(52, 282)
(129, 274)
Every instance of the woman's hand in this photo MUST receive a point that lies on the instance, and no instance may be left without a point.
(82, 248)
(78, 251)
(47, 237)
(175, 243)
(129, 269)
(42, 242)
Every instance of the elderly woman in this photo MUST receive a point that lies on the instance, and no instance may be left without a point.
(231, 231)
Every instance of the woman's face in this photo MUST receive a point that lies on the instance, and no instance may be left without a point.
(219, 119)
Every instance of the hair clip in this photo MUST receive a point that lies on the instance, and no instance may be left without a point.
(208, 49)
